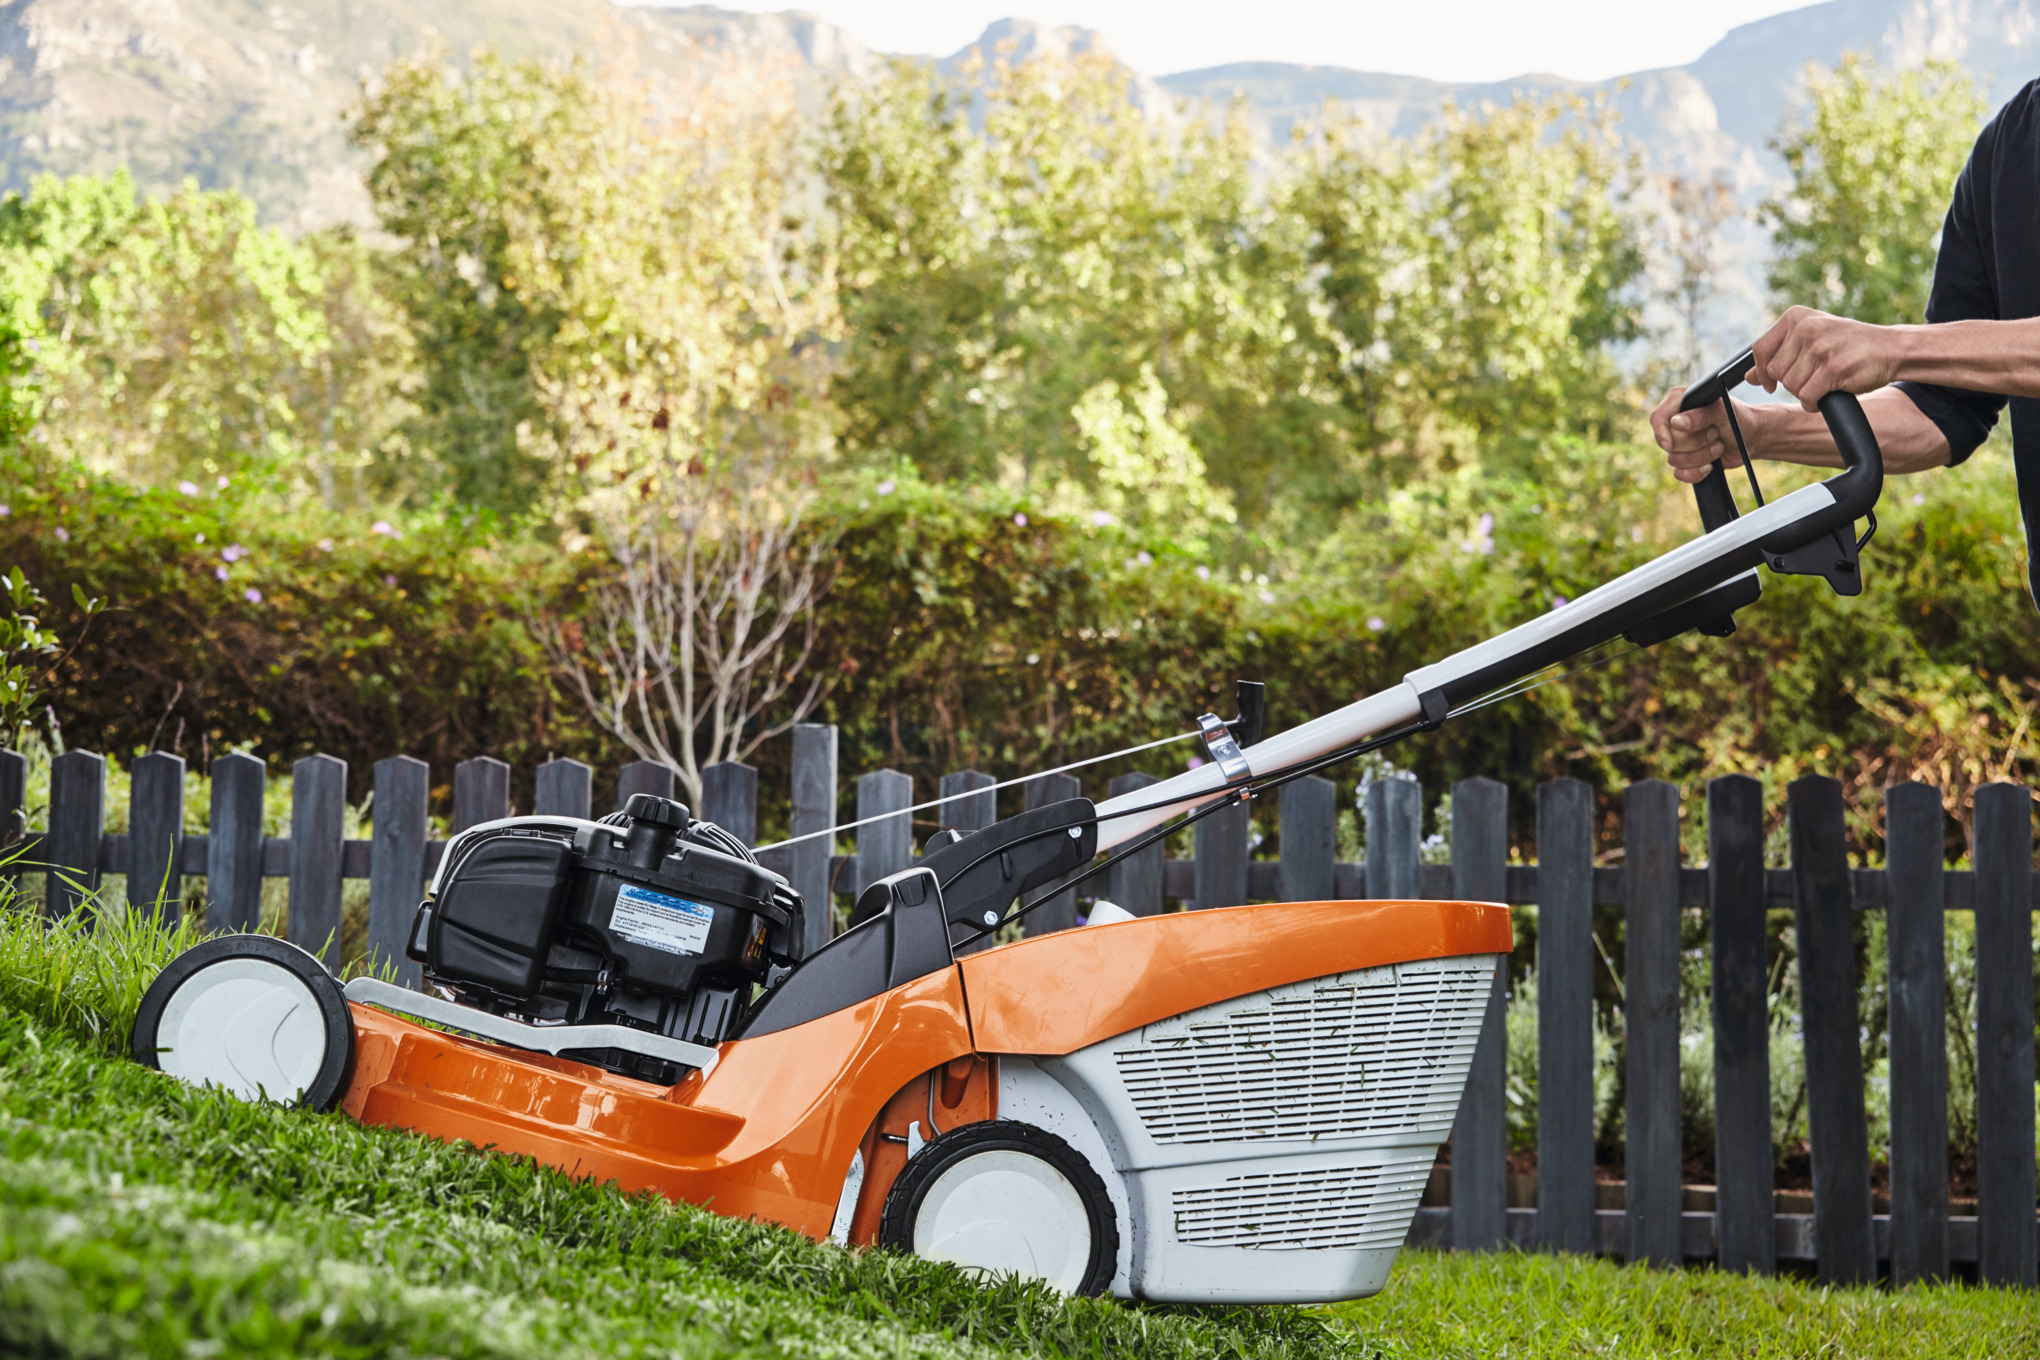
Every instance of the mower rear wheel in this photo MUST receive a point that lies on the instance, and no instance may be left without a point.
(253, 1015)
(1005, 1198)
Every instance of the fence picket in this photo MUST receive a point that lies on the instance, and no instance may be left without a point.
(77, 824)
(729, 798)
(1136, 881)
(396, 867)
(644, 776)
(318, 810)
(1310, 810)
(884, 847)
(1480, 1134)
(1915, 909)
(1834, 1071)
(1395, 835)
(13, 814)
(1221, 844)
(814, 811)
(563, 788)
(233, 860)
(2003, 852)
(1743, 1176)
(1650, 1020)
(156, 836)
(481, 792)
(1060, 911)
(1565, 1017)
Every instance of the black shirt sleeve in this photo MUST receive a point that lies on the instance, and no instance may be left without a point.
(1964, 290)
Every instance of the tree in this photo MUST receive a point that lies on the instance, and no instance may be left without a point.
(1026, 244)
(176, 340)
(1873, 165)
(1469, 286)
(1695, 208)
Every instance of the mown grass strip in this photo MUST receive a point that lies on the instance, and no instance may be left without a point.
(1517, 1306)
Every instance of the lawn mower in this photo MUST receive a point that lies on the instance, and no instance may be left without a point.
(1228, 1105)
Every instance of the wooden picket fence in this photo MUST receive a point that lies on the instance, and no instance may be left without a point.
(1842, 1235)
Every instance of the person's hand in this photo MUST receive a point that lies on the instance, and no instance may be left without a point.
(1811, 354)
(1693, 440)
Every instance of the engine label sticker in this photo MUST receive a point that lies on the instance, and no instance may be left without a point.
(656, 921)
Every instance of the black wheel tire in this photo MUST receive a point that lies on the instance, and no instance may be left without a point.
(256, 958)
(998, 1141)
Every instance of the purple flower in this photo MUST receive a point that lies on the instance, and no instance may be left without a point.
(219, 573)
(1376, 624)
(233, 552)
(1197, 762)
(5, 511)
(1487, 525)
(1143, 558)
(224, 483)
(389, 580)
(1101, 518)
(885, 488)
(1204, 573)
(1559, 602)
(382, 526)
(63, 534)
(252, 595)
(188, 488)
(1020, 519)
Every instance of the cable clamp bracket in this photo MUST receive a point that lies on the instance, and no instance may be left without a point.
(1218, 739)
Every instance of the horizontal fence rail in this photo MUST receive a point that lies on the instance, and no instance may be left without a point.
(1740, 1228)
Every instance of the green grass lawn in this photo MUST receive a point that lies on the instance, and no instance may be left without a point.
(141, 1217)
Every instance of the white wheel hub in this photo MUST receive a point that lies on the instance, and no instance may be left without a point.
(246, 1025)
(1006, 1213)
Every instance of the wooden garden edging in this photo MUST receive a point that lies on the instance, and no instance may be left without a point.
(1919, 1238)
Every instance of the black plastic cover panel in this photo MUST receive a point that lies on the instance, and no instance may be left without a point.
(494, 918)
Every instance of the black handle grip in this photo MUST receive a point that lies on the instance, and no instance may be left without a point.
(1862, 478)
(1716, 501)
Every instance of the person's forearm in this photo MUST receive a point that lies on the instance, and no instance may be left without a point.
(2001, 357)
(1909, 441)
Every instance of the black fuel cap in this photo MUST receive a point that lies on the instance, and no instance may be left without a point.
(649, 807)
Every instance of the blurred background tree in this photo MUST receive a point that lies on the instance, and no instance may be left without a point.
(1873, 166)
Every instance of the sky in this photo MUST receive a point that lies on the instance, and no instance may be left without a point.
(1455, 40)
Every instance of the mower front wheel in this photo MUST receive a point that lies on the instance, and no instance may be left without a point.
(253, 1015)
(1005, 1198)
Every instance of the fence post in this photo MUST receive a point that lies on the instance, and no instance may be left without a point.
(1480, 1134)
(77, 824)
(1565, 1017)
(1744, 1202)
(1310, 810)
(1822, 918)
(884, 847)
(13, 812)
(563, 788)
(481, 792)
(1650, 1020)
(156, 836)
(233, 853)
(318, 810)
(814, 811)
(2004, 1035)
(643, 776)
(1395, 832)
(396, 862)
(968, 802)
(729, 798)
(1060, 911)
(1136, 881)
(1915, 911)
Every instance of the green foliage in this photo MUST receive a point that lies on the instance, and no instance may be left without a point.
(176, 340)
(1873, 168)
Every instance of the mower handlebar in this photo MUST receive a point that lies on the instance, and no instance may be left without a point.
(1855, 490)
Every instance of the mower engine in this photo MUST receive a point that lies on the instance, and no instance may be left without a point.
(647, 919)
